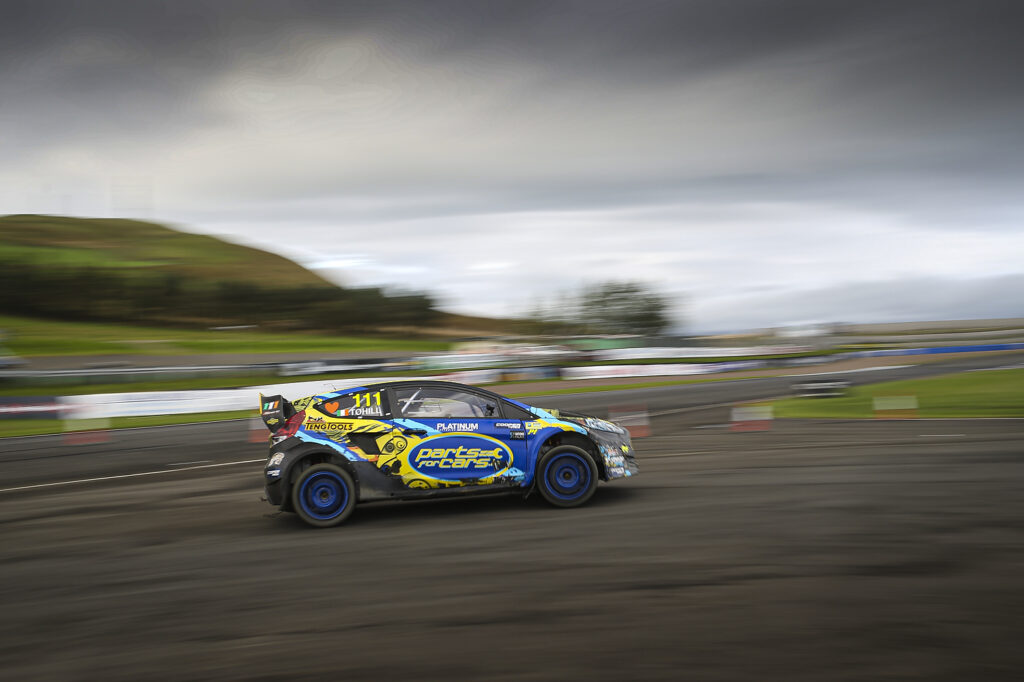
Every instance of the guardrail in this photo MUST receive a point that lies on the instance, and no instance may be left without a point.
(149, 403)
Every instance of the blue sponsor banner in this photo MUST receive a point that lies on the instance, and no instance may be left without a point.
(30, 407)
(938, 350)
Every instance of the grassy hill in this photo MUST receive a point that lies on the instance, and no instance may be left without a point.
(126, 271)
(56, 241)
(78, 271)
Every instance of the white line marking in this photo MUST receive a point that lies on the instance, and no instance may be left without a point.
(184, 464)
(941, 435)
(144, 473)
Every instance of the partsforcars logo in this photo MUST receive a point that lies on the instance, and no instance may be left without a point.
(459, 458)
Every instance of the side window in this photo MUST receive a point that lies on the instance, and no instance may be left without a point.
(516, 412)
(356, 405)
(436, 402)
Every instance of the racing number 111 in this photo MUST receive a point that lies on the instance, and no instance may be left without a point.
(370, 397)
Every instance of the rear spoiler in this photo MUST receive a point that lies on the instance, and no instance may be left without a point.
(275, 411)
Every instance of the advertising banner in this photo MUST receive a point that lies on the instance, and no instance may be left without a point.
(30, 407)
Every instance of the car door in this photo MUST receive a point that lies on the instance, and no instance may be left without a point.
(461, 437)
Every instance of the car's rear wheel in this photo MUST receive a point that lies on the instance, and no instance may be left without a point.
(566, 476)
(324, 495)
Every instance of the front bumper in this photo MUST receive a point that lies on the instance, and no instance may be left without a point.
(617, 453)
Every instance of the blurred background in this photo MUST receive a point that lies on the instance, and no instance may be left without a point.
(782, 233)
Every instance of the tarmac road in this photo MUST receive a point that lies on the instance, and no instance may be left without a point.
(815, 551)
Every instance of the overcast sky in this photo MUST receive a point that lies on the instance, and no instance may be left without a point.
(762, 163)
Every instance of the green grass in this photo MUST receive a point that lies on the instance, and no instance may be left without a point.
(30, 337)
(996, 393)
(68, 257)
(38, 427)
(131, 243)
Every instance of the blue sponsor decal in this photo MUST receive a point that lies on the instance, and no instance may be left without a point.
(454, 457)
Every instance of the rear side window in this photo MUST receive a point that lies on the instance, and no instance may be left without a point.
(443, 402)
(356, 405)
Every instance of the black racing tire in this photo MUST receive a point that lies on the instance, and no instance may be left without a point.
(324, 495)
(566, 476)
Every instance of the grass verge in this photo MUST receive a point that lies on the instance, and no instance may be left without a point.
(38, 427)
(992, 393)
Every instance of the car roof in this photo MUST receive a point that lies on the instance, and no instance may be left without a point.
(427, 382)
(430, 382)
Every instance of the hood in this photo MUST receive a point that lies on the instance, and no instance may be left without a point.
(588, 422)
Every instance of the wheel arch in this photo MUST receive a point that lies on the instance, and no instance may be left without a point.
(305, 457)
(577, 440)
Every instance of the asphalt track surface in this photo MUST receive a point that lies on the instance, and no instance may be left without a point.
(814, 551)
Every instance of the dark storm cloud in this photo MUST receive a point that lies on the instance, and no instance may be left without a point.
(603, 39)
(906, 71)
(728, 140)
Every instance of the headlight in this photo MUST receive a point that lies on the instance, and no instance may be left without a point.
(602, 425)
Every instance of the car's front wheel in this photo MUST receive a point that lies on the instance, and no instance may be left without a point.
(324, 495)
(566, 476)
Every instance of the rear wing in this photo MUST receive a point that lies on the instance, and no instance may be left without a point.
(275, 411)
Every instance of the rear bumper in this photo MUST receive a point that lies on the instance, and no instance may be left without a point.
(274, 492)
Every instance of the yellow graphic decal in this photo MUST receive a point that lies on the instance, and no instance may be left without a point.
(533, 427)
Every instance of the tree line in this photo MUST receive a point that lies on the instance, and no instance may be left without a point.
(128, 295)
(614, 307)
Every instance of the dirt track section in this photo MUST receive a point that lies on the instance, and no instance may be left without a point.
(816, 551)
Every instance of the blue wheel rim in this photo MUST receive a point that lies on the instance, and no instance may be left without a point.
(323, 495)
(567, 476)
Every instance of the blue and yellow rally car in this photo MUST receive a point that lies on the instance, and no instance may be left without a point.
(419, 439)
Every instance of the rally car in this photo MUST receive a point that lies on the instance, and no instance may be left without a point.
(419, 439)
